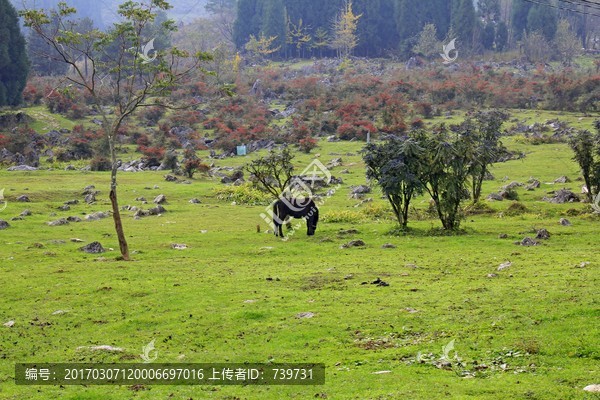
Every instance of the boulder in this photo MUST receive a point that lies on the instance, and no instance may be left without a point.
(195, 201)
(23, 199)
(4, 225)
(157, 210)
(353, 243)
(93, 248)
(562, 179)
(543, 234)
(22, 168)
(59, 222)
(563, 196)
(160, 199)
(565, 222)
(495, 197)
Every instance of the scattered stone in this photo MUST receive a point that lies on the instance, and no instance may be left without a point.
(411, 310)
(22, 168)
(382, 372)
(511, 186)
(503, 236)
(23, 199)
(96, 216)
(93, 248)
(90, 198)
(160, 199)
(326, 240)
(26, 213)
(583, 264)
(534, 184)
(360, 189)
(305, 315)
(563, 196)
(348, 277)
(504, 266)
(565, 222)
(4, 225)
(71, 202)
(59, 312)
(592, 388)
(59, 222)
(176, 246)
(17, 219)
(491, 276)
(157, 210)
(495, 197)
(70, 167)
(543, 234)
(73, 219)
(562, 179)
(9, 324)
(195, 201)
(388, 246)
(64, 208)
(527, 242)
(76, 240)
(353, 243)
(169, 178)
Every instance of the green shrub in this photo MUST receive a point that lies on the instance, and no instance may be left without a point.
(244, 194)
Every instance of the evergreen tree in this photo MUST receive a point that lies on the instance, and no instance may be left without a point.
(244, 26)
(273, 22)
(520, 12)
(501, 36)
(544, 19)
(14, 65)
(463, 21)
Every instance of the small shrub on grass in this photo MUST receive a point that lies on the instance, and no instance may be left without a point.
(377, 212)
(343, 216)
(479, 208)
(516, 208)
(244, 195)
(100, 164)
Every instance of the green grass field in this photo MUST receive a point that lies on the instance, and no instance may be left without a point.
(529, 332)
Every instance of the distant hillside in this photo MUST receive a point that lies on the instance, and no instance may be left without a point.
(104, 12)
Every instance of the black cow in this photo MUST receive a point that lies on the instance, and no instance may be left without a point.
(296, 208)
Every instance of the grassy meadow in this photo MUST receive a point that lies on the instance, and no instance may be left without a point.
(529, 331)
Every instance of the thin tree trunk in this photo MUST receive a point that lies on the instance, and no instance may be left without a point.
(113, 197)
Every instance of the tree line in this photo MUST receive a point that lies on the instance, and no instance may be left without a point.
(307, 28)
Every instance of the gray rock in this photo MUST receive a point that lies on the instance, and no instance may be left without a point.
(23, 199)
(170, 178)
(64, 208)
(388, 246)
(70, 168)
(4, 225)
(71, 202)
(360, 189)
(26, 213)
(563, 196)
(96, 216)
(592, 388)
(59, 222)
(157, 210)
(90, 198)
(195, 201)
(353, 243)
(527, 242)
(93, 248)
(160, 199)
(73, 219)
(535, 184)
(495, 197)
(565, 222)
(562, 179)
(22, 168)
(543, 234)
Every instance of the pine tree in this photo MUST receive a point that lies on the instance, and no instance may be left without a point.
(544, 19)
(243, 26)
(463, 21)
(14, 65)
(520, 11)
(273, 22)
